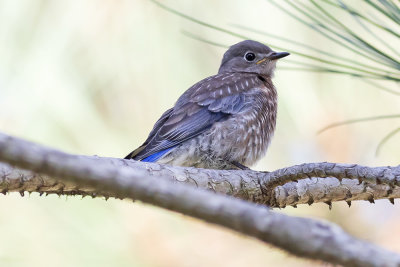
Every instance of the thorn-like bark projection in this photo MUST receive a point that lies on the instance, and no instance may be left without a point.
(52, 171)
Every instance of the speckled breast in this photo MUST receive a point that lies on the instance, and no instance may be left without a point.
(245, 136)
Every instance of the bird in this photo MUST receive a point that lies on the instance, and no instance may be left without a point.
(225, 121)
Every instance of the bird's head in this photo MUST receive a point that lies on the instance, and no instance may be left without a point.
(250, 56)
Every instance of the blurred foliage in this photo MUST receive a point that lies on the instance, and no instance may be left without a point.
(357, 29)
(371, 30)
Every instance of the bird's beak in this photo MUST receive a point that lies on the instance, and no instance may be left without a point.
(278, 55)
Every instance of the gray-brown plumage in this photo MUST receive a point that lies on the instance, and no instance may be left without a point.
(224, 121)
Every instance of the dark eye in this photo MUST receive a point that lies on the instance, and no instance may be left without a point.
(250, 56)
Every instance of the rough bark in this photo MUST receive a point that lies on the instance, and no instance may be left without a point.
(275, 189)
(119, 178)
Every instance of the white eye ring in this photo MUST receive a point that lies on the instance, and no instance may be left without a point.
(249, 56)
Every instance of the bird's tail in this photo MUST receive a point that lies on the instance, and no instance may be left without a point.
(133, 154)
(152, 158)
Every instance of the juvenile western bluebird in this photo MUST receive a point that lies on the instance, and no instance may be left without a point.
(225, 121)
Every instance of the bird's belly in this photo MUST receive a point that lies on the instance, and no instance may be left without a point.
(243, 139)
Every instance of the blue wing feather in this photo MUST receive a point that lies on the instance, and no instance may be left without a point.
(157, 156)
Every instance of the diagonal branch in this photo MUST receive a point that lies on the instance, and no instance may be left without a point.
(305, 191)
(300, 236)
(260, 187)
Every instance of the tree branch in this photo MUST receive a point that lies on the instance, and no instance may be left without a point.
(274, 188)
(300, 236)
(234, 183)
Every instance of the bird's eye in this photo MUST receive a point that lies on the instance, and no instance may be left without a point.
(250, 56)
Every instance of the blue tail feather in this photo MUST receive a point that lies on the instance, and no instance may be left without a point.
(156, 156)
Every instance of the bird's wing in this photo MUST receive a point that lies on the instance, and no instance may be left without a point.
(210, 100)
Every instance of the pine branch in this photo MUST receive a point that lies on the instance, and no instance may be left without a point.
(300, 236)
(352, 182)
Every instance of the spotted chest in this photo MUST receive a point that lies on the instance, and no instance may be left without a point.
(245, 136)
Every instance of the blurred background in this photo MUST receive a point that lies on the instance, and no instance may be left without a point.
(92, 77)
